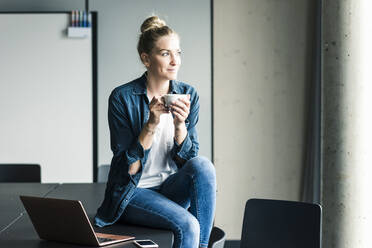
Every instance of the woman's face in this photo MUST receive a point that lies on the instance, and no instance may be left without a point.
(165, 58)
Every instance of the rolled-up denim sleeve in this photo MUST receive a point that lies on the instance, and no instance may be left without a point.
(190, 146)
(124, 142)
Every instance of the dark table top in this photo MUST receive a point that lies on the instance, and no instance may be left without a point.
(90, 195)
(19, 231)
(11, 206)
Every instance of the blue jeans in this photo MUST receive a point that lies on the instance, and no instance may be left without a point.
(184, 203)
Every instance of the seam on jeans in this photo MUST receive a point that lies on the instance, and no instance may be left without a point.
(196, 198)
(196, 203)
(180, 229)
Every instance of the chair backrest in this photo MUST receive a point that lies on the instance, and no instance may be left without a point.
(20, 173)
(275, 223)
(103, 172)
(217, 238)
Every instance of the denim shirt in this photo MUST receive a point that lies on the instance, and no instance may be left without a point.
(128, 111)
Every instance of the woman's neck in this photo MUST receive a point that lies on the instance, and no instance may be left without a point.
(156, 87)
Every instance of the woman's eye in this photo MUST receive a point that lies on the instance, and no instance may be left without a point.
(164, 54)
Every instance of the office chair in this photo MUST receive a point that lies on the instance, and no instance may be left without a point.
(275, 223)
(217, 238)
(20, 173)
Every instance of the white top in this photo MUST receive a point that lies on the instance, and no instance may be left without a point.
(159, 164)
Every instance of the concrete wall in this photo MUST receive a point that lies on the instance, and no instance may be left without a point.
(262, 58)
(346, 123)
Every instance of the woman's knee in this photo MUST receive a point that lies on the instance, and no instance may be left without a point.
(202, 166)
(190, 228)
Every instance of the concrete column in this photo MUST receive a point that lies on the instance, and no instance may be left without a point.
(347, 123)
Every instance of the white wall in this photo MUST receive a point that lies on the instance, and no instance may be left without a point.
(46, 97)
(261, 58)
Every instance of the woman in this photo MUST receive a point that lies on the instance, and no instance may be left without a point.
(156, 178)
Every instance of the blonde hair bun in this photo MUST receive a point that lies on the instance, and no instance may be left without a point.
(152, 22)
(152, 29)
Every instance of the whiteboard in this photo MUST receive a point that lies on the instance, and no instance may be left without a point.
(46, 96)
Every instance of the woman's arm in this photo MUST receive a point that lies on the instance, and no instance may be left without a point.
(180, 133)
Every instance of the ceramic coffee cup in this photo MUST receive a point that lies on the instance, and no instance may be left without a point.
(171, 98)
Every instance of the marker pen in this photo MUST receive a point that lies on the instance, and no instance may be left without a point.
(73, 19)
(85, 19)
(89, 19)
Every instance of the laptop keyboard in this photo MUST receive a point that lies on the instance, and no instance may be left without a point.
(101, 240)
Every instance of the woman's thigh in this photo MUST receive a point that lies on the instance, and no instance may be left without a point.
(149, 208)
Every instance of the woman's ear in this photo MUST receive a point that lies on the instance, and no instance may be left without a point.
(145, 59)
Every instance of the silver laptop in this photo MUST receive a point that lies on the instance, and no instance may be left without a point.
(65, 221)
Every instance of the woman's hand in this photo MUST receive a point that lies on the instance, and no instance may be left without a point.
(180, 110)
(145, 138)
(156, 109)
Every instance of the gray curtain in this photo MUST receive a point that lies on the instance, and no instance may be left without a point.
(311, 187)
